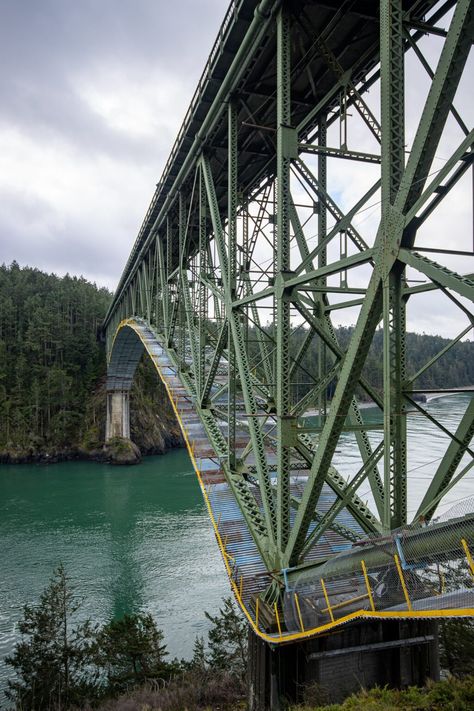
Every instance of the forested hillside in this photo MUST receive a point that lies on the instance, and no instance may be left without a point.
(454, 369)
(50, 359)
(52, 369)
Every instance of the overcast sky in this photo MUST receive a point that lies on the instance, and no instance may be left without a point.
(92, 95)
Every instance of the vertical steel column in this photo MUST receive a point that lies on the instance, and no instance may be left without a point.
(162, 288)
(202, 288)
(213, 278)
(133, 295)
(167, 285)
(181, 304)
(394, 321)
(285, 136)
(154, 277)
(151, 274)
(146, 287)
(141, 301)
(232, 273)
(322, 256)
(246, 262)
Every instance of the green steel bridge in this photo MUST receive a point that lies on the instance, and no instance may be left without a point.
(251, 250)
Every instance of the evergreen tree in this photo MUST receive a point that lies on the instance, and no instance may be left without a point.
(131, 651)
(228, 640)
(62, 663)
(50, 359)
(456, 636)
(51, 658)
(456, 639)
(199, 661)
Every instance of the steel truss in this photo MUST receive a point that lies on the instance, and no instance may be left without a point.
(247, 248)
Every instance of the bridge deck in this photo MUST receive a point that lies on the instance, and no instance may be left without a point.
(349, 30)
(249, 252)
(236, 539)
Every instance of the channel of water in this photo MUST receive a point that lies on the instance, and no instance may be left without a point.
(138, 538)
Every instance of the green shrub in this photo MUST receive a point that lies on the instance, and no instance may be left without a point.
(51, 658)
(451, 695)
(130, 651)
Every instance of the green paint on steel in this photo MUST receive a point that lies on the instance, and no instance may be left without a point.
(226, 268)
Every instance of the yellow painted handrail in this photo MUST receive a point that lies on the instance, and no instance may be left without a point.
(297, 603)
(367, 585)
(468, 555)
(326, 597)
(402, 580)
(277, 618)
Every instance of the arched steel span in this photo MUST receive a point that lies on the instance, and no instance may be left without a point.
(244, 249)
(299, 617)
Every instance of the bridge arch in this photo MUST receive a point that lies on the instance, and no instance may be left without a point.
(127, 349)
(245, 562)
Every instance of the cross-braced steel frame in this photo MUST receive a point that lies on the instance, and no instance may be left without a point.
(244, 249)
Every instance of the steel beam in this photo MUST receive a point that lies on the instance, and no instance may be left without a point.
(238, 275)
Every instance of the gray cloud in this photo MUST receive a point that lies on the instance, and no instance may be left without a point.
(47, 48)
(93, 94)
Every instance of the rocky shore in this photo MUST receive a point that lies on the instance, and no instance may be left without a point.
(117, 451)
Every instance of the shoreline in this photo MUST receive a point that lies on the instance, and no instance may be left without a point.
(43, 458)
(19, 455)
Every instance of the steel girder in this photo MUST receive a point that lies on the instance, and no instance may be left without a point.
(228, 272)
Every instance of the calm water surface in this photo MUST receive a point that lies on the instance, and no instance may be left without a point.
(138, 538)
(131, 538)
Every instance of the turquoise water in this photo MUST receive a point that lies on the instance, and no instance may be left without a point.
(139, 538)
(131, 538)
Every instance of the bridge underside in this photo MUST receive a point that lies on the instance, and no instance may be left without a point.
(337, 584)
(261, 236)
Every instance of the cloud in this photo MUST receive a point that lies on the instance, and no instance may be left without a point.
(93, 95)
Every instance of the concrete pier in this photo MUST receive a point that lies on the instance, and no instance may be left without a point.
(118, 414)
(394, 653)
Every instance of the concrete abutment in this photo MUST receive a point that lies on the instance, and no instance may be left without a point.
(394, 653)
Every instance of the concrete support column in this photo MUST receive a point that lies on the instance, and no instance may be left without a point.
(394, 653)
(118, 414)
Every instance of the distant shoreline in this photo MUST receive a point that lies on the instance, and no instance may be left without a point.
(18, 455)
(366, 404)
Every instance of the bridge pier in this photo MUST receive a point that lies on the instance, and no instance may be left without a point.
(118, 414)
(394, 653)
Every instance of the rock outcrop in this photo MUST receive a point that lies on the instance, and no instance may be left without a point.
(120, 450)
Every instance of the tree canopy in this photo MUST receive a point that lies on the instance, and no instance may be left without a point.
(50, 359)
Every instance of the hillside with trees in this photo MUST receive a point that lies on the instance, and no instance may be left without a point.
(455, 369)
(53, 367)
(62, 661)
